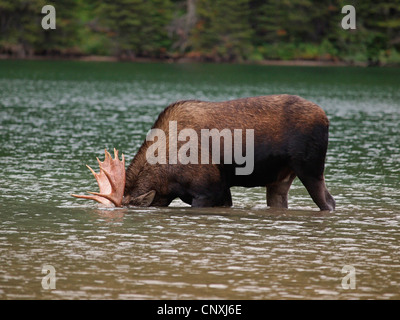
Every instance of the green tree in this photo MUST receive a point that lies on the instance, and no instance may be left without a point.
(65, 38)
(137, 27)
(267, 21)
(22, 33)
(382, 22)
(20, 27)
(222, 31)
(294, 29)
(377, 35)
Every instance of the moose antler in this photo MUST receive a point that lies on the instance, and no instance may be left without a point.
(111, 180)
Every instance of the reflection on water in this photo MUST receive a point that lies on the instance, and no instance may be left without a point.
(56, 117)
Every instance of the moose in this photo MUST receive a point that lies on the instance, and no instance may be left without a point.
(290, 139)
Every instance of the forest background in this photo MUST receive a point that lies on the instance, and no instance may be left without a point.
(204, 30)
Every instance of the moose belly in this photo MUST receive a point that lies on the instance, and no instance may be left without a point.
(265, 172)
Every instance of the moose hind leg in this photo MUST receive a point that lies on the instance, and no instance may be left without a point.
(309, 165)
(277, 192)
(319, 193)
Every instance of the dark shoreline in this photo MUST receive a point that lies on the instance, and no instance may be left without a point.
(311, 63)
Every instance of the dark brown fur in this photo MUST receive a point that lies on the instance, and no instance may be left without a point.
(290, 139)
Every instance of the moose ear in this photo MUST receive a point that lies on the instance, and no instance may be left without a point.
(144, 200)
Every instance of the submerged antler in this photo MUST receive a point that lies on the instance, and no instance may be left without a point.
(111, 180)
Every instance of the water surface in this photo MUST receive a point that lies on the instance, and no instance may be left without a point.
(55, 117)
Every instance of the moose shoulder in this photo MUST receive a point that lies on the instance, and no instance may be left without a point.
(195, 152)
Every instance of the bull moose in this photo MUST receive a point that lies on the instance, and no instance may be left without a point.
(290, 139)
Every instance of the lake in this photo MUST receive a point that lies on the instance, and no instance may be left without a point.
(58, 116)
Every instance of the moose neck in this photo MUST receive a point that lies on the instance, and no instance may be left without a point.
(134, 168)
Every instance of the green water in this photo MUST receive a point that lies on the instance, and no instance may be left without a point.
(55, 117)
